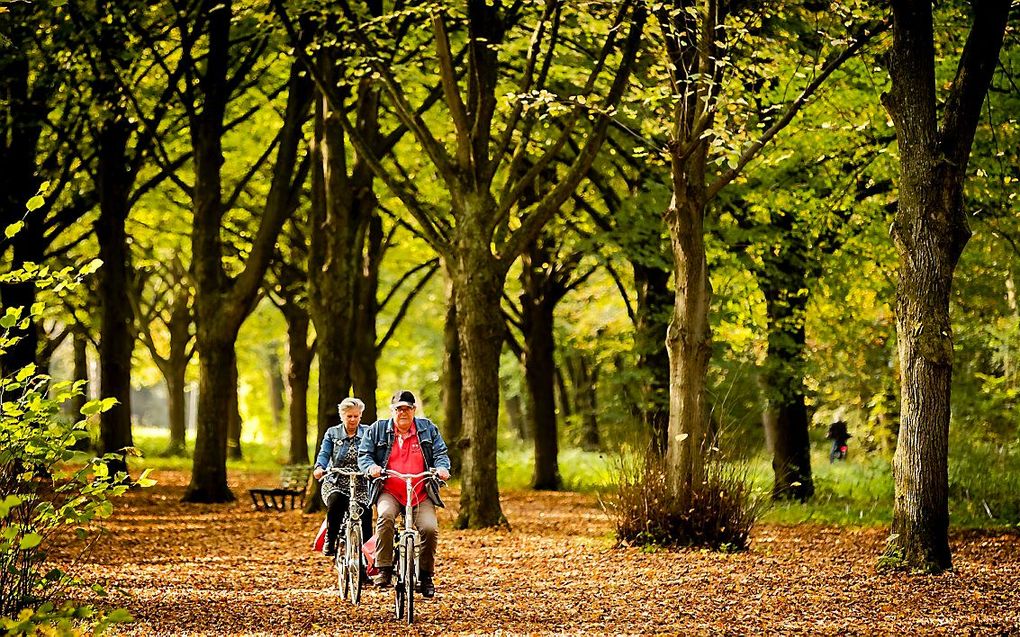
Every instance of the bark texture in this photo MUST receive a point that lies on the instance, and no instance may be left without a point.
(116, 317)
(453, 415)
(930, 232)
(299, 362)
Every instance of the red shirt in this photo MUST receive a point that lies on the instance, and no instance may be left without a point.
(406, 457)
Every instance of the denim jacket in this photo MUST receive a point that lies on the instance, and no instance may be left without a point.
(378, 442)
(335, 443)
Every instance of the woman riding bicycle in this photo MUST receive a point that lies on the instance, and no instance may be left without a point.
(340, 450)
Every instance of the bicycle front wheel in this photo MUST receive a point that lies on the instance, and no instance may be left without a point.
(398, 586)
(353, 565)
(407, 564)
(341, 572)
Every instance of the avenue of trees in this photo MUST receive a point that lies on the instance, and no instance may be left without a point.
(698, 229)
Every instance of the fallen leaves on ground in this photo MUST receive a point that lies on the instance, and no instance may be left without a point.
(227, 569)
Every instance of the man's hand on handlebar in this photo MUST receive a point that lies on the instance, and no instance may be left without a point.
(442, 474)
(375, 471)
(318, 473)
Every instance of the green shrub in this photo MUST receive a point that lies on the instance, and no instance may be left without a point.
(48, 492)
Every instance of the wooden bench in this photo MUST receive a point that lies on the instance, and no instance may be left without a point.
(293, 484)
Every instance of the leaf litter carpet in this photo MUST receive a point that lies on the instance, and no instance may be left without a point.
(185, 569)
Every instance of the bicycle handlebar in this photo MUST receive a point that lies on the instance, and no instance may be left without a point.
(346, 472)
(405, 476)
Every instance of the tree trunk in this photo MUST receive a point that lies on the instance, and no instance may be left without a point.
(453, 415)
(26, 112)
(785, 416)
(651, 325)
(299, 362)
(539, 366)
(116, 332)
(175, 384)
(478, 286)
(1011, 363)
(689, 338)
(930, 232)
(233, 415)
(209, 468)
(274, 372)
(81, 373)
(364, 375)
(584, 378)
(515, 415)
(222, 302)
(339, 223)
(563, 397)
(175, 368)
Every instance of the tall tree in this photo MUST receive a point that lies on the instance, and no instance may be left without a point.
(165, 324)
(930, 232)
(223, 301)
(477, 238)
(695, 43)
(550, 270)
(287, 288)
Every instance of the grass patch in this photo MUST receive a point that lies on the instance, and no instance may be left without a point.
(583, 471)
(153, 442)
(983, 480)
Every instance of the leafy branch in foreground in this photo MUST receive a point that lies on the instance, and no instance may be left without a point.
(50, 494)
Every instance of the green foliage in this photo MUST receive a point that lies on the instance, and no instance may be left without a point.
(48, 492)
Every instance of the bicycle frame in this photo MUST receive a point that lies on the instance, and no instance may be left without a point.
(406, 578)
(348, 562)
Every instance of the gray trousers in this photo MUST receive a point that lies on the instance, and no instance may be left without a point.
(424, 520)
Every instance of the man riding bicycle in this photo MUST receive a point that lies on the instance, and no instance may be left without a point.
(409, 445)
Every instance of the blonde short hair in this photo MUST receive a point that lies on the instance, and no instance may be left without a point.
(350, 404)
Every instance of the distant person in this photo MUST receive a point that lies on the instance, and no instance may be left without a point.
(339, 450)
(405, 444)
(839, 437)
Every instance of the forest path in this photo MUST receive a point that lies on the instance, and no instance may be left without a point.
(226, 569)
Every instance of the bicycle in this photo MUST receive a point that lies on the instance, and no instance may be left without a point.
(406, 549)
(349, 561)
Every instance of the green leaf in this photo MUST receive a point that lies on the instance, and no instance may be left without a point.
(93, 407)
(25, 372)
(30, 541)
(144, 480)
(35, 203)
(119, 616)
(91, 267)
(13, 229)
(11, 501)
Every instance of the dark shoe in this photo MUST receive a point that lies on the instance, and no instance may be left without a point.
(382, 580)
(427, 588)
(366, 580)
(330, 549)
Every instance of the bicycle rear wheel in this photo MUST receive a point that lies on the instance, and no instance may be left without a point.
(407, 565)
(353, 564)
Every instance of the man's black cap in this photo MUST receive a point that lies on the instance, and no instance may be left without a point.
(402, 398)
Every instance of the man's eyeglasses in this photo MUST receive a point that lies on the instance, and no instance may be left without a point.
(403, 409)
